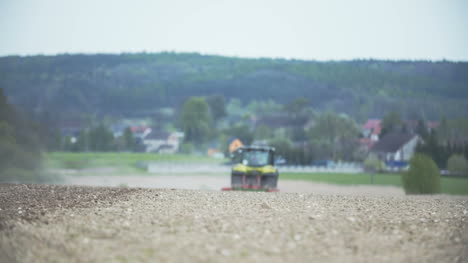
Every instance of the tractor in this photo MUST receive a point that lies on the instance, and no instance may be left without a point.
(254, 169)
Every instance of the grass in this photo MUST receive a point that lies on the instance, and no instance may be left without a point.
(449, 185)
(125, 162)
(345, 179)
(130, 163)
(455, 186)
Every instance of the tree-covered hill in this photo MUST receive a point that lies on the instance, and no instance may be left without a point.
(126, 84)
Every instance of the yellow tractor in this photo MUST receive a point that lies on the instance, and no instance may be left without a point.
(254, 169)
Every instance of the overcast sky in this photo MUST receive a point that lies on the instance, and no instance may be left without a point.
(303, 29)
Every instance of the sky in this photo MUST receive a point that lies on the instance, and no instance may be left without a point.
(291, 29)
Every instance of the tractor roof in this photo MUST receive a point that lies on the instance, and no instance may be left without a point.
(255, 147)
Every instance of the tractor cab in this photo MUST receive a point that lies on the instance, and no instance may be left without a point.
(253, 169)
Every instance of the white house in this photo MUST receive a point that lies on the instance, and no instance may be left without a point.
(398, 147)
(162, 142)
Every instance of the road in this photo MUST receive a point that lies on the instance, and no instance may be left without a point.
(46, 223)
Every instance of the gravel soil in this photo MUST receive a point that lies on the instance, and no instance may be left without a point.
(42, 223)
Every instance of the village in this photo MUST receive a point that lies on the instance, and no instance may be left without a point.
(301, 137)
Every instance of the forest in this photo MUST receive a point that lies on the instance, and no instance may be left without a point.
(138, 84)
(307, 110)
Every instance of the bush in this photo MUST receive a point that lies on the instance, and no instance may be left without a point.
(373, 164)
(457, 164)
(186, 148)
(423, 176)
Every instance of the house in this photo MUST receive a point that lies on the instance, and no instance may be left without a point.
(140, 131)
(162, 141)
(372, 129)
(396, 149)
(167, 149)
(370, 133)
(432, 125)
(234, 143)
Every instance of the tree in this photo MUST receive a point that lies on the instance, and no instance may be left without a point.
(423, 176)
(263, 132)
(465, 149)
(70, 82)
(300, 154)
(391, 123)
(264, 107)
(242, 132)
(282, 147)
(335, 135)
(443, 130)
(129, 141)
(235, 108)
(297, 106)
(421, 129)
(217, 106)
(82, 142)
(196, 120)
(431, 147)
(452, 130)
(298, 133)
(20, 150)
(7, 113)
(100, 139)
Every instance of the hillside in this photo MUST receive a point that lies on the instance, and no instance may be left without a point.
(135, 84)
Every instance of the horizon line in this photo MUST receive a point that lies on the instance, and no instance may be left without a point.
(231, 56)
